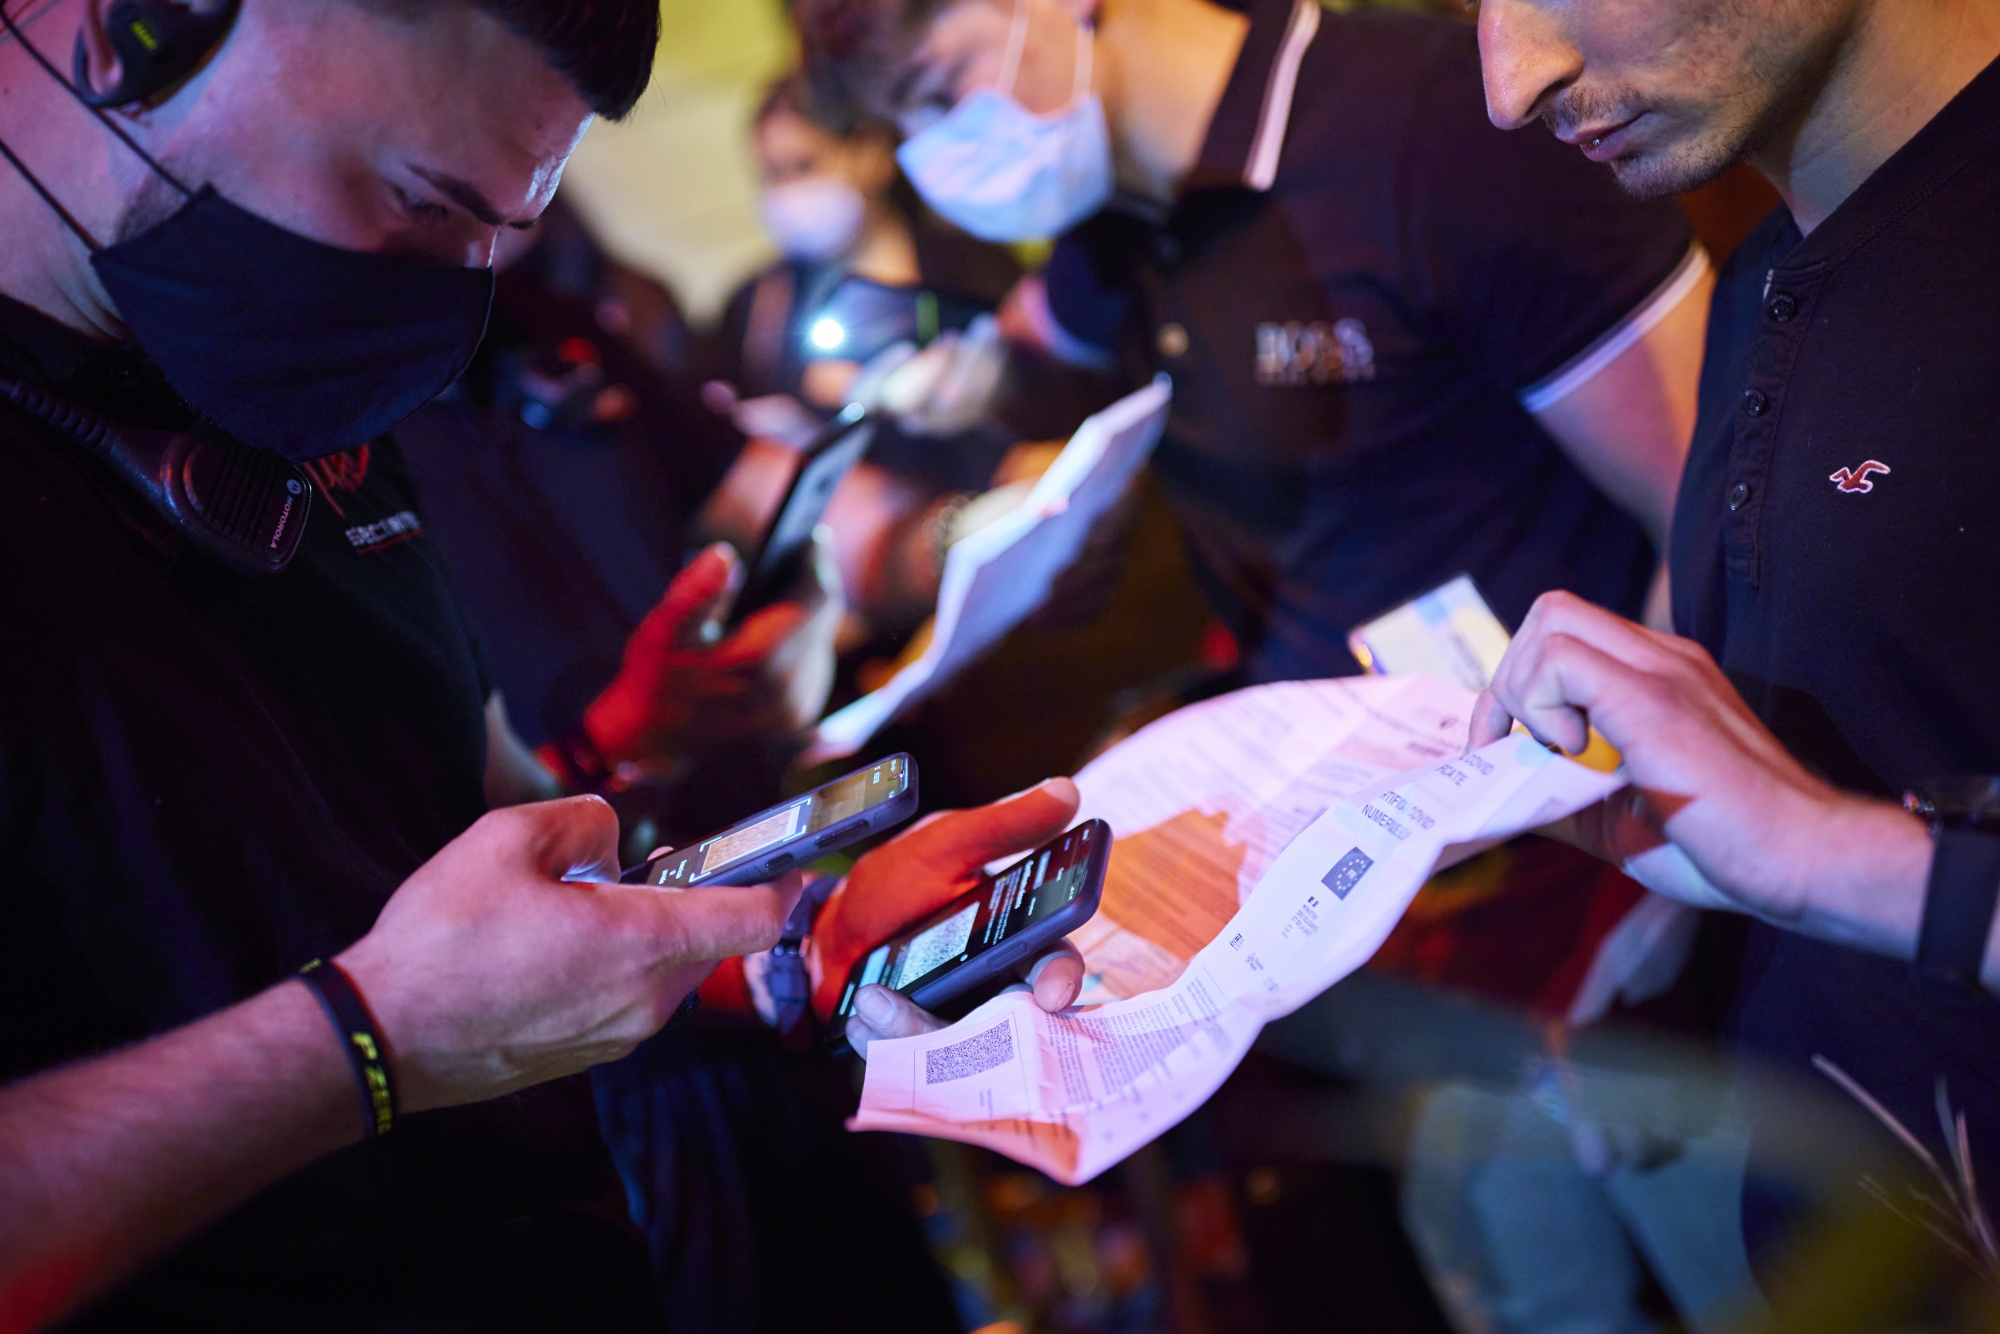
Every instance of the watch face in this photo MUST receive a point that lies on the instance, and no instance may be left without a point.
(1961, 802)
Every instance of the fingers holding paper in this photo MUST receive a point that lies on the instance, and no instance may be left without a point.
(1754, 829)
(1055, 978)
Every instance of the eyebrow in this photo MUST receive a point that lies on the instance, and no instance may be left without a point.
(467, 196)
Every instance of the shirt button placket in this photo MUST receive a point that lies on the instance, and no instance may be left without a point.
(1755, 437)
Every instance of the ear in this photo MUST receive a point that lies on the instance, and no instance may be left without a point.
(97, 64)
(136, 53)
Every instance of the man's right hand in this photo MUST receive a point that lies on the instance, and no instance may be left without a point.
(1706, 774)
(491, 969)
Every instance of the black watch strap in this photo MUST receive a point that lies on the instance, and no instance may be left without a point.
(1958, 913)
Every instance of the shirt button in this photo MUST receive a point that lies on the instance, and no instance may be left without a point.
(1739, 496)
(1784, 307)
(1173, 340)
(1755, 404)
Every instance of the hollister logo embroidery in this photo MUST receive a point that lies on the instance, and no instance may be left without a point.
(1854, 481)
(1315, 353)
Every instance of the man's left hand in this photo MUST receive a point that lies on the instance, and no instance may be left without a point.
(925, 868)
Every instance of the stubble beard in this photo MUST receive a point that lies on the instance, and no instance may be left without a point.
(148, 206)
(1777, 78)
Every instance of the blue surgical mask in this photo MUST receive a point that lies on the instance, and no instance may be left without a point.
(815, 218)
(1001, 172)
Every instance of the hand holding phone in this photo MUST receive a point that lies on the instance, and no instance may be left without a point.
(779, 562)
(1004, 920)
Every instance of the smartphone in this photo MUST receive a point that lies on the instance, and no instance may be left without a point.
(771, 842)
(781, 557)
(1008, 917)
(862, 319)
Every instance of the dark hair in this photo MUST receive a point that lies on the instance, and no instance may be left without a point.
(792, 95)
(854, 48)
(788, 95)
(603, 47)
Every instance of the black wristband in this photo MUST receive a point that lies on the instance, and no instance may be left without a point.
(362, 1041)
(1964, 816)
(1958, 913)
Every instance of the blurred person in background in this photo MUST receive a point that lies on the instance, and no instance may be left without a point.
(570, 475)
(567, 476)
(1403, 346)
(853, 235)
(1224, 223)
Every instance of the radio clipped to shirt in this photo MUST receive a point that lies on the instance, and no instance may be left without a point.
(245, 507)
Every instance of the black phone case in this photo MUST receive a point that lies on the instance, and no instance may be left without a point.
(977, 974)
(785, 856)
(780, 560)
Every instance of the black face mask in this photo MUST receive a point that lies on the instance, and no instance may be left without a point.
(289, 344)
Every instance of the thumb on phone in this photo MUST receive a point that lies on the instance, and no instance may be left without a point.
(881, 1013)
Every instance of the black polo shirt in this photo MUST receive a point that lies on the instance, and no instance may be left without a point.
(207, 780)
(1359, 289)
(1837, 548)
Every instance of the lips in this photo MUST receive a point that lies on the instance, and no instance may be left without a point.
(1602, 143)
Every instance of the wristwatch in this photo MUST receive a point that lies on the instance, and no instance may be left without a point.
(1964, 815)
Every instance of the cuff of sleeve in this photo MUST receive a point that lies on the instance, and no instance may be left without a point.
(1616, 341)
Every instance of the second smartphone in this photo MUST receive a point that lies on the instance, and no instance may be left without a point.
(1006, 918)
(773, 841)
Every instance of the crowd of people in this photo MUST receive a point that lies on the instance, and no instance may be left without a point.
(380, 533)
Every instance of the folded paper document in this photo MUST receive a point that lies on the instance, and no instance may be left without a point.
(998, 576)
(1269, 841)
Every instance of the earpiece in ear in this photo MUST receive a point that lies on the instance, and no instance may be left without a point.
(159, 45)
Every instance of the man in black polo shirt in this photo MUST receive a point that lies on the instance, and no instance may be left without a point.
(1403, 346)
(244, 722)
(1836, 562)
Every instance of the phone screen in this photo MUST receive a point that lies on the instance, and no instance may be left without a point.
(820, 809)
(1001, 908)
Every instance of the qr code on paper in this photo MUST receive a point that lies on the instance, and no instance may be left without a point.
(974, 1056)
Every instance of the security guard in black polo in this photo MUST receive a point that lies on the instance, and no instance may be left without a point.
(1404, 345)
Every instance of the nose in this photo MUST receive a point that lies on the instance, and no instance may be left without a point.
(1525, 58)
